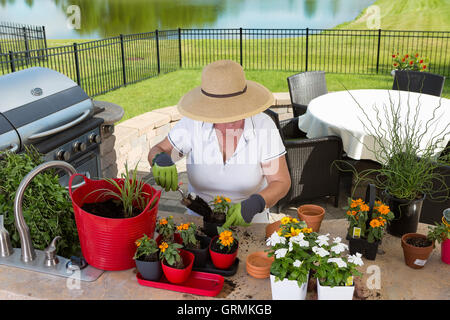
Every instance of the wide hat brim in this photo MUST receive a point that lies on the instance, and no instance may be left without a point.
(198, 106)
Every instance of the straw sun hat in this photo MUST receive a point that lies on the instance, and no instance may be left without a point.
(225, 95)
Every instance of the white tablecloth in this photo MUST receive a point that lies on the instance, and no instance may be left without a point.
(338, 114)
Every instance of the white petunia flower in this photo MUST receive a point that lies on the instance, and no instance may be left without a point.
(275, 239)
(281, 253)
(341, 263)
(356, 259)
(299, 239)
(323, 240)
(297, 263)
(339, 247)
(337, 240)
(320, 251)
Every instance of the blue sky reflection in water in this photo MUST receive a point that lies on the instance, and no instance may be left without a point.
(103, 18)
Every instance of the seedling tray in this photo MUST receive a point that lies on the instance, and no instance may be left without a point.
(198, 283)
(210, 268)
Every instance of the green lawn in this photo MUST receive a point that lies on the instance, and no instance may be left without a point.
(167, 89)
(425, 15)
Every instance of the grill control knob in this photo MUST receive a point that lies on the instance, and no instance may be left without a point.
(79, 146)
(95, 138)
(63, 155)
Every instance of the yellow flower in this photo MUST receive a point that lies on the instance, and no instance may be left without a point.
(286, 220)
(163, 246)
(306, 230)
(226, 238)
(294, 220)
(293, 233)
(138, 243)
(227, 199)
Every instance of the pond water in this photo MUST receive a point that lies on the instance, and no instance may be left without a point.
(103, 18)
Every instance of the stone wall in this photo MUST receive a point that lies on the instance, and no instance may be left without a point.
(133, 138)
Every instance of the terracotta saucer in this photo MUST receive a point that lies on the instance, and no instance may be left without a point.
(258, 264)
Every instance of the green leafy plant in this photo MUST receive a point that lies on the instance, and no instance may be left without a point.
(221, 204)
(47, 208)
(129, 192)
(166, 228)
(408, 61)
(291, 248)
(439, 232)
(408, 163)
(169, 252)
(331, 267)
(146, 249)
(188, 233)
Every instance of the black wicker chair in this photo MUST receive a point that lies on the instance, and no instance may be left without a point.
(422, 82)
(310, 164)
(432, 209)
(305, 86)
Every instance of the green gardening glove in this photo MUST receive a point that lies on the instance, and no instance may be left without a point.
(241, 214)
(165, 172)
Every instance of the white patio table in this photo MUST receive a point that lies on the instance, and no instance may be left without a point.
(342, 114)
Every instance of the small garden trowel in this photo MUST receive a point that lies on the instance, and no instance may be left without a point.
(195, 203)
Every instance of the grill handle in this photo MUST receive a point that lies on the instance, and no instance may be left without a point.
(61, 128)
(13, 147)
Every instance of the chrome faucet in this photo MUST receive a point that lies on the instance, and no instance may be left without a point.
(28, 253)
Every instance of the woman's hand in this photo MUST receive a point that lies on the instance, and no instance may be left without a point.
(241, 214)
(165, 172)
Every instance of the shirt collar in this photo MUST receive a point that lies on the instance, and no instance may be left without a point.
(249, 128)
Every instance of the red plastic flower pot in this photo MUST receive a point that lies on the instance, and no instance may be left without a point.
(109, 244)
(222, 260)
(175, 275)
(445, 251)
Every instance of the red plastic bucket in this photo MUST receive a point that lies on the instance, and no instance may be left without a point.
(109, 244)
(175, 275)
(445, 251)
(222, 260)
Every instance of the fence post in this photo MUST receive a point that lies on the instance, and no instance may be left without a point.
(307, 48)
(378, 53)
(44, 36)
(124, 71)
(157, 51)
(179, 47)
(11, 59)
(77, 63)
(240, 44)
(27, 45)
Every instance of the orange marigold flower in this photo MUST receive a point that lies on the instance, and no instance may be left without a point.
(227, 199)
(375, 223)
(163, 221)
(163, 246)
(364, 207)
(383, 209)
(226, 238)
(138, 243)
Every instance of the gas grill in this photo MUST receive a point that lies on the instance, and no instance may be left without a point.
(46, 109)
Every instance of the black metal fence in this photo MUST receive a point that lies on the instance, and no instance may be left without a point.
(19, 37)
(103, 65)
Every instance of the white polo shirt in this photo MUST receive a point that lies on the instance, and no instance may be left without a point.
(241, 175)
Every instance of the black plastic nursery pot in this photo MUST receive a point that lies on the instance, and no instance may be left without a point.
(202, 254)
(406, 215)
(367, 249)
(210, 228)
(150, 270)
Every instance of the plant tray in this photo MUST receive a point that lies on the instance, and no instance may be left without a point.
(198, 283)
(210, 268)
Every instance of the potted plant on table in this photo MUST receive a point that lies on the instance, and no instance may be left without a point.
(441, 233)
(176, 263)
(195, 243)
(220, 206)
(409, 167)
(147, 259)
(223, 248)
(414, 62)
(416, 249)
(166, 230)
(291, 249)
(366, 226)
(113, 213)
(334, 272)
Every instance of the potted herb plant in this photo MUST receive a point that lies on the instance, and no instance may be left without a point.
(408, 168)
(416, 249)
(113, 213)
(195, 243)
(366, 227)
(223, 248)
(147, 259)
(291, 249)
(441, 233)
(334, 272)
(220, 206)
(176, 263)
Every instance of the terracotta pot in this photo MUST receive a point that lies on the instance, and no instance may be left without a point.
(445, 251)
(415, 257)
(258, 265)
(271, 228)
(222, 260)
(175, 275)
(312, 215)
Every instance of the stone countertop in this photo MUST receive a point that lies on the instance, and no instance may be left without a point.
(397, 280)
(112, 113)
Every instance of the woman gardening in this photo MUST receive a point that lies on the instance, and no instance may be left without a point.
(232, 147)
